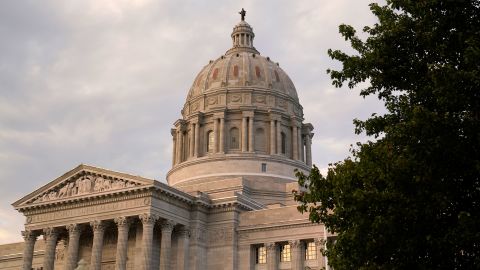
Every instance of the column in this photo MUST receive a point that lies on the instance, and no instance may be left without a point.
(179, 147)
(215, 135)
(295, 141)
(272, 137)
(244, 134)
(308, 149)
(222, 135)
(74, 231)
(192, 140)
(297, 254)
(279, 137)
(166, 244)
(300, 144)
(272, 257)
(250, 134)
(148, 221)
(197, 139)
(174, 149)
(123, 225)
(98, 228)
(30, 238)
(320, 245)
(183, 246)
(50, 235)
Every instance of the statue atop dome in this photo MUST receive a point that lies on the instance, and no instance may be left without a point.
(242, 13)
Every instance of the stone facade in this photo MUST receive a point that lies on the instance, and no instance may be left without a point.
(228, 203)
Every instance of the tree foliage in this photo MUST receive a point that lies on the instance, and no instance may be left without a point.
(410, 198)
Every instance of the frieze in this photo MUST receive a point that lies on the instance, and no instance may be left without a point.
(260, 99)
(87, 210)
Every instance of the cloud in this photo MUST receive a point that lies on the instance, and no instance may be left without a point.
(101, 82)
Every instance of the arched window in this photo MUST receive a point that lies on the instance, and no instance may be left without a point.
(215, 74)
(235, 71)
(276, 76)
(257, 72)
(234, 138)
(210, 141)
(260, 142)
(284, 143)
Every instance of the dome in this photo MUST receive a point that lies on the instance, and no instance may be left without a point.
(239, 70)
(242, 118)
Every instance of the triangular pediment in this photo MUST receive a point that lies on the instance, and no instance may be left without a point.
(84, 180)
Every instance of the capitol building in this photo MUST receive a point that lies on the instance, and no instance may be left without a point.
(228, 203)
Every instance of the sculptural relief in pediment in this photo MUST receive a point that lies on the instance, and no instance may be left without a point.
(81, 185)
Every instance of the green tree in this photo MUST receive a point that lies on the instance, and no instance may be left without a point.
(410, 198)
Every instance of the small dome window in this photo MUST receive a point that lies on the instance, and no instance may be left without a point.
(235, 71)
(234, 138)
(210, 141)
(276, 76)
(215, 74)
(257, 72)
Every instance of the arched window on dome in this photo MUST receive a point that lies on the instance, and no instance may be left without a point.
(215, 74)
(277, 78)
(284, 143)
(257, 72)
(234, 142)
(210, 141)
(260, 140)
(235, 71)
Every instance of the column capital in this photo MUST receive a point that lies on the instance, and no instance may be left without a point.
(29, 235)
(167, 225)
(73, 228)
(320, 242)
(123, 221)
(271, 246)
(50, 232)
(97, 225)
(184, 232)
(295, 243)
(147, 218)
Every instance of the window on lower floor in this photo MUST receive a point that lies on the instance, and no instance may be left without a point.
(285, 253)
(261, 255)
(310, 251)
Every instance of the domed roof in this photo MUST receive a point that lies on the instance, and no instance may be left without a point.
(242, 66)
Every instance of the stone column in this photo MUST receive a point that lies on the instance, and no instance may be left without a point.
(183, 246)
(244, 134)
(30, 238)
(215, 135)
(123, 225)
(74, 231)
(308, 149)
(179, 147)
(166, 244)
(174, 148)
(148, 221)
(197, 139)
(272, 137)
(192, 140)
(50, 235)
(297, 254)
(279, 136)
(250, 134)
(295, 141)
(272, 260)
(98, 227)
(222, 135)
(300, 144)
(320, 245)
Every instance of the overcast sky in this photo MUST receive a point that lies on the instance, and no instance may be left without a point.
(101, 82)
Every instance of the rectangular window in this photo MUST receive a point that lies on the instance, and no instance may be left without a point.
(285, 253)
(264, 167)
(261, 255)
(310, 251)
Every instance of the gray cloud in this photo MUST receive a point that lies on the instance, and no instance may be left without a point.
(101, 82)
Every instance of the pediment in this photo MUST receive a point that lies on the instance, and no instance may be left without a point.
(82, 181)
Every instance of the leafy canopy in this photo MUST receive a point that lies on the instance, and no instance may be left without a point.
(410, 199)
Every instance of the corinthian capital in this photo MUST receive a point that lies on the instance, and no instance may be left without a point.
(97, 225)
(184, 232)
(49, 233)
(73, 228)
(147, 218)
(270, 246)
(167, 225)
(29, 235)
(123, 222)
(295, 243)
